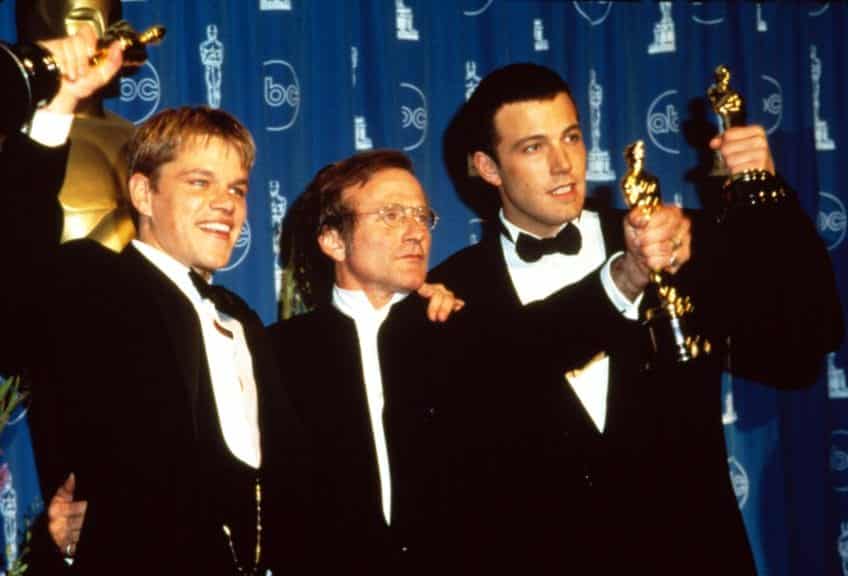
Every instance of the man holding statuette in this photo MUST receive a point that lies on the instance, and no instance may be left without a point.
(164, 430)
(648, 443)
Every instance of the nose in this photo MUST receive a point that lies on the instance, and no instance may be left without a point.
(560, 161)
(223, 200)
(414, 230)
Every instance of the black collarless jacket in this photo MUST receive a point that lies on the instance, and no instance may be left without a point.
(328, 392)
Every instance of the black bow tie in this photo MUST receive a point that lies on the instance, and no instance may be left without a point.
(530, 249)
(222, 299)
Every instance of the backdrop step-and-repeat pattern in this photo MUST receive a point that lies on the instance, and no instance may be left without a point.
(316, 80)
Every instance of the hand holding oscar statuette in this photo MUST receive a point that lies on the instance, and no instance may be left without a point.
(667, 322)
(751, 187)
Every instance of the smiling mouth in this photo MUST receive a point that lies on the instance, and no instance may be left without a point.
(563, 190)
(218, 228)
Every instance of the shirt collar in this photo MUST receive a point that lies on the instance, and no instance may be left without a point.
(355, 304)
(176, 271)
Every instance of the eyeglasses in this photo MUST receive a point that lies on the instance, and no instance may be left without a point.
(394, 215)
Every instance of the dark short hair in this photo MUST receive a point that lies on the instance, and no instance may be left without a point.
(321, 207)
(159, 139)
(513, 83)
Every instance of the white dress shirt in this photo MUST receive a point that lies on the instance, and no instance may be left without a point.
(355, 305)
(49, 128)
(228, 358)
(538, 280)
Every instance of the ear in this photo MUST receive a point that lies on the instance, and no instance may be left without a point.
(141, 189)
(487, 168)
(332, 244)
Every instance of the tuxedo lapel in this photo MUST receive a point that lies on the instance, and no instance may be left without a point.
(502, 289)
(177, 323)
(621, 362)
(611, 228)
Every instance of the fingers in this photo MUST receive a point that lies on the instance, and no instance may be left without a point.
(72, 53)
(66, 490)
(80, 78)
(65, 522)
(442, 302)
(66, 516)
(629, 275)
(744, 148)
(661, 241)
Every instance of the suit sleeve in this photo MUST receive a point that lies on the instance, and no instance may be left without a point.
(770, 285)
(574, 324)
(30, 228)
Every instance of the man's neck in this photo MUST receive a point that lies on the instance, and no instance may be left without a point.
(358, 299)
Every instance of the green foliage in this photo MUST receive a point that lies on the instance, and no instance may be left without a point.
(11, 395)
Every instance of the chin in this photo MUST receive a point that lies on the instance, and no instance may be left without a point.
(214, 265)
(414, 283)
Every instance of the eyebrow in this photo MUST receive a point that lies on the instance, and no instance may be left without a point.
(196, 171)
(211, 174)
(532, 137)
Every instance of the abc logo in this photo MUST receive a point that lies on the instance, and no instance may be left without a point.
(740, 482)
(707, 13)
(663, 122)
(281, 92)
(831, 220)
(839, 459)
(593, 12)
(140, 94)
(413, 112)
(475, 7)
(240, 249)
(772, 104)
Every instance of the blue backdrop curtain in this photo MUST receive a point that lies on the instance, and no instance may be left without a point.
(316, 80)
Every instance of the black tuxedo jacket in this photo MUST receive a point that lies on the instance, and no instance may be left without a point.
(655, 494)
(122, 395)
(328, 393)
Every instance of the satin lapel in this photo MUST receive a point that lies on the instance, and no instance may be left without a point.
(177, 323)
(611, 228)
(266, 373)
(503, 290)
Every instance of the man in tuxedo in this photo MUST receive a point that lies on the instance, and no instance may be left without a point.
(621, 427)
(396, 406)
(168, 418)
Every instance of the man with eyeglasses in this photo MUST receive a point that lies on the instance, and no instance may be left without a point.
(396, 405)
(362, 231)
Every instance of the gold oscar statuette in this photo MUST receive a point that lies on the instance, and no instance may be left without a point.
(667, 322)
(133, 44)
(729, 106)
(751, 187)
